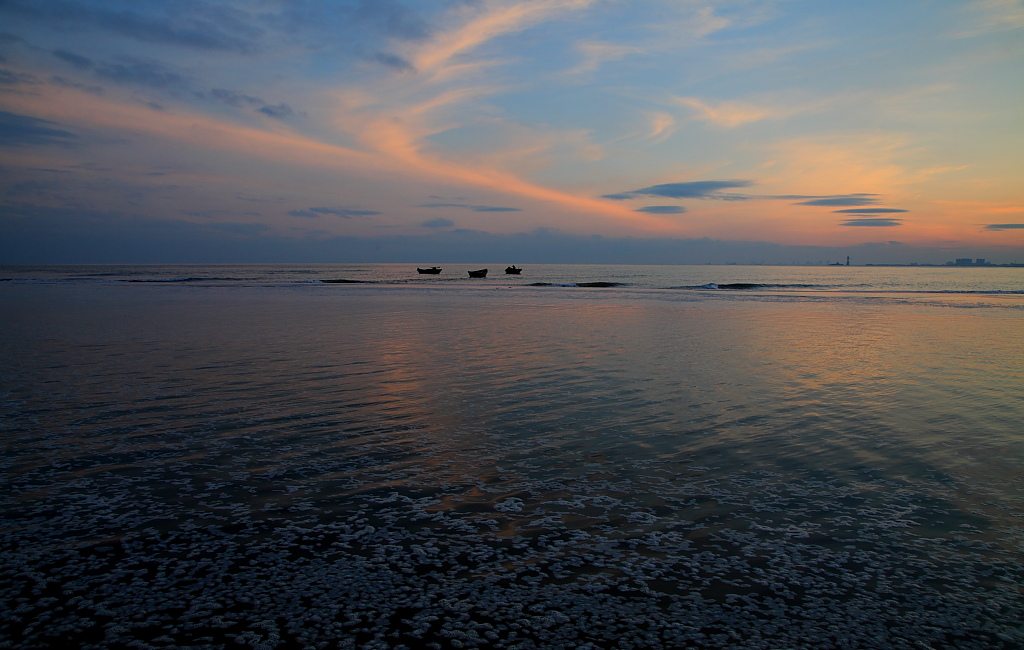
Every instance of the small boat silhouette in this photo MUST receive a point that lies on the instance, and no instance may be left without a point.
(513, 270)
(434, 270)
(482, 273)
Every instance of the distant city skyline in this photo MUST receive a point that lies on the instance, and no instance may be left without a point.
(670, 131)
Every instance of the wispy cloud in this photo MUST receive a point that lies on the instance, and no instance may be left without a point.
(130, 70)
(345, 213)
(489, 20)
(232, 98)
(662, 209)
(1005, 226)
(685, 190)
(879, 160)
(474, 208)
(660, 125)
(279, 111)
(993, 16)
(23, 130)
(872, 223)
(728, 113)
(195, 29)
(392, 18)
(393, 61)
(594, 54)
(841, 200)
(869, 211)
(396, 117)
(440, 222)
(76, 60)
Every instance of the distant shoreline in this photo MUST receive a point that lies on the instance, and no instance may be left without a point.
(953, 266)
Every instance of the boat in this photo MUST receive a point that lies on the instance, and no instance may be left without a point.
(513, 270)
(434, 270)
(482, 273)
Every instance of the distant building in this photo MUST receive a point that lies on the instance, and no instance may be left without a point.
(963, 261)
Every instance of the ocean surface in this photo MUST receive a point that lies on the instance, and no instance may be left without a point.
(360, 456)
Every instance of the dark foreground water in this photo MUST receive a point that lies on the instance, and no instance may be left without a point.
(343, 465)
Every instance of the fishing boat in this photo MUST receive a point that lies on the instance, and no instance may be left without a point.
(434, 270)
(513, 270)
(482, 273)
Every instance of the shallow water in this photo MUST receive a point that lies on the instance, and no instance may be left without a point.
(352, 466)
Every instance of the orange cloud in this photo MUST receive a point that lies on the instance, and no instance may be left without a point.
(727, 114)
(396, 148)
(839, 164)
(494, 21)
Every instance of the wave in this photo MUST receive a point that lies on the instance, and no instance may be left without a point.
(1002, 292)
(744, 286)
(588, 285)
(112, 280)
(170, 280)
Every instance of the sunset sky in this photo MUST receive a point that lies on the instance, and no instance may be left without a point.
(675, 131)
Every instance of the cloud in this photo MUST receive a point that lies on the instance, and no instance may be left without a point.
(355, 28)
(202, 27)
(9, 78)
(279, 111)
(231, 98)
(393, 61)
(143, 73)
(438, 223)
(841, 200)
(156, 75)
(994, 16)
(495, 20)
(1005, 226)
(690, 190)
(23, 130)
(241, 100)
(872, 223)
(474, 208)
(728, 114)
(869, 211)
(660, 126)
(33, 189)
(796, 197)
(662, 209)
(594, 54)
(390, 146)
(393, 19)
(64, 83)
(345, 213)
(76, 60)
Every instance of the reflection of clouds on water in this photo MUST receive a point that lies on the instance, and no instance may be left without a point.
(385, 471)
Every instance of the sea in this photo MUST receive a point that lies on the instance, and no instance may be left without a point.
(580, 456)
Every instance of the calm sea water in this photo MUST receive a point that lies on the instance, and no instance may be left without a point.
(582, 456)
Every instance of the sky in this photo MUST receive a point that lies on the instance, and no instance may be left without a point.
(619, 131)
